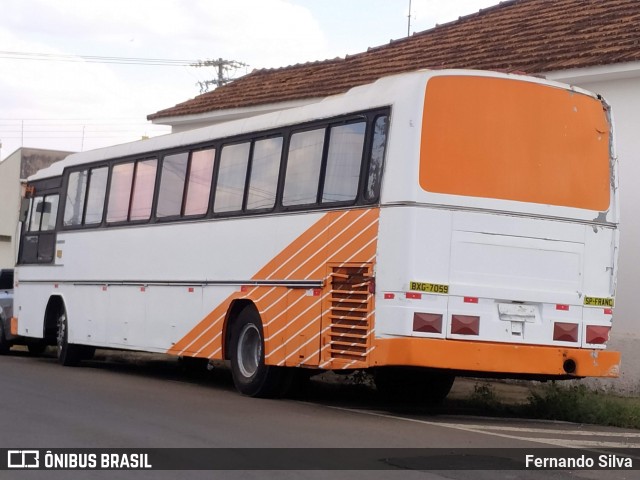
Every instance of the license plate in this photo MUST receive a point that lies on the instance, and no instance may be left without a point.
(599, 302)
(429, 287)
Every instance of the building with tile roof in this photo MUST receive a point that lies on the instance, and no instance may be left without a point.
(530, 36)
(594, 44)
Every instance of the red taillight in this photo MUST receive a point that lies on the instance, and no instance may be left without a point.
(389, 296)
(470, 299)
(427, 322)
(608, 311)
(465, 325)
(564, 308)
(565, 332)
(414, 296)
(598, 334)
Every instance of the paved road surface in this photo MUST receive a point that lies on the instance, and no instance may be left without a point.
(121, 401)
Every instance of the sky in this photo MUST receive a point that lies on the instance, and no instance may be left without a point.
(77, 75)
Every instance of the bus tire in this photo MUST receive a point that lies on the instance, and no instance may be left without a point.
(69, 355)
(250, 374)
(413, 385)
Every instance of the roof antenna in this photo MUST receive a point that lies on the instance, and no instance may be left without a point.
(409, 20)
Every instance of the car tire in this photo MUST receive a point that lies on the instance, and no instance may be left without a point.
(5, 345)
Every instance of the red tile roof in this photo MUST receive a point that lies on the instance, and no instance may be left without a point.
(531, 36)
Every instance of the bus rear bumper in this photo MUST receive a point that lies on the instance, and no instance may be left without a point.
(501, 359)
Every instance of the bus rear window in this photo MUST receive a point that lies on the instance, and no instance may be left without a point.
(514, 140)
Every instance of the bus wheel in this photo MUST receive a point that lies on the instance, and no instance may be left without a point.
(250, 374)
(413, 385)
(68, 355)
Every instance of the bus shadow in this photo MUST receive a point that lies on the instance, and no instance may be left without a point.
(355, 390)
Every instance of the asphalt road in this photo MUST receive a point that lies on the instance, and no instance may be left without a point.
(147, 401)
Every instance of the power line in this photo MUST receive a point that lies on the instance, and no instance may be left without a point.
(55, 57)
(223, 67)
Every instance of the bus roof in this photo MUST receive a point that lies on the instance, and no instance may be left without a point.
(383, 92)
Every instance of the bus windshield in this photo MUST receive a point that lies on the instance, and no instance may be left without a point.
(515, 140)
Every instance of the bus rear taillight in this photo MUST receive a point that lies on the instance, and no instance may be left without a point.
(565, 332)
(598, 334)
(465, 325)
(427, 322)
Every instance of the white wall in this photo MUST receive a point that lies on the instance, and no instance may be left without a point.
(623, 94)
(10, 191)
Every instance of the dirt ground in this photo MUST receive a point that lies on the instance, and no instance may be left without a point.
(506, 392)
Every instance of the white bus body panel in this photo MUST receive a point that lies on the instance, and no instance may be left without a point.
(496, 259)
(532, 257)
(168, 274)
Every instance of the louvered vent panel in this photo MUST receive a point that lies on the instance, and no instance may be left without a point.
(350, 308)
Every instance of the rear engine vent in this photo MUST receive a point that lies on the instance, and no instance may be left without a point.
(350, 313)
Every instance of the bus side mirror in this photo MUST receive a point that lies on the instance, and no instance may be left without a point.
(24, 209)
(43, 207)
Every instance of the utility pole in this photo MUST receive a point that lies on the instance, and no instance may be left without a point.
(223, 67)
(409, 20)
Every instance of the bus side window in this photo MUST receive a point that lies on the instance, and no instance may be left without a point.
(44, 214)
(39, 244)
(199, 182)
(172, 179)
(343, 162)
(303, 168)
(95, 196)
(84, 202)
(376, 160)
(120, 192)
(36, 214)
(49, 213)
(143, 186)
(232, 175)
(265, 166)
(76, 189)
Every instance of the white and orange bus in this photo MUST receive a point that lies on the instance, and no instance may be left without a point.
(427, 225)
